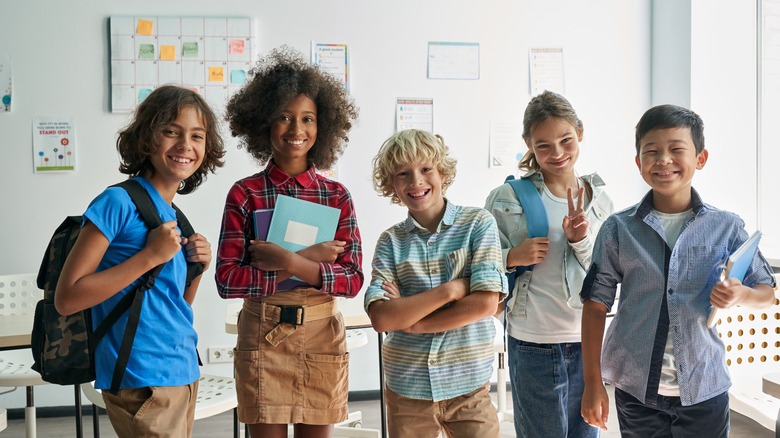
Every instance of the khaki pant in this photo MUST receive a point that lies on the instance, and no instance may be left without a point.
(467, 416)
(154, 411)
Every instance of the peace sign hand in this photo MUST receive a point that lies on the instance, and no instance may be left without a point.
(575, 224)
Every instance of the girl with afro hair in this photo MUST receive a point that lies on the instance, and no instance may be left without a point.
(291, 354)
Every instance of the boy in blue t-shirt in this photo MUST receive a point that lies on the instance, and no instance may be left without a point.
(169, 147)
(667, 254)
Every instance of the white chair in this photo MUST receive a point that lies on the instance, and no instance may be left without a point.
(504, 413)
(215, 395)
(18, 296)
(752, 340)
(3, 419)
(352, 426)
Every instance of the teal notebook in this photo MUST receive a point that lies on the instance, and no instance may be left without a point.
(297, 224)
(737, 266)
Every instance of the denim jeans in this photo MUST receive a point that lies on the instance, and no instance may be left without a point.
(547, 387)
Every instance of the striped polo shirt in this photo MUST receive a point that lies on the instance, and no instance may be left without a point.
(439, 366)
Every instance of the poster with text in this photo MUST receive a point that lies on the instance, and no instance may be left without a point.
(447, 60)
(506, 144)
(333, 59)
(546, 70)
(54, 144)
(414, 113)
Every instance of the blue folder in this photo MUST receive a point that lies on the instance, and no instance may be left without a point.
(297, 224)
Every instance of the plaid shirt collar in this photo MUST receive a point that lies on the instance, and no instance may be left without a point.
(278, 177)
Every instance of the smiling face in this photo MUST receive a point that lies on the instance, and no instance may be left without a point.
(418, 186)
(667, 161)
(181, 147)
(556, 145)
(293, 134)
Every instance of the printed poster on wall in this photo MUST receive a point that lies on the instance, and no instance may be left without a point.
(333, 59)
(449, 60)
(546, 66)
(506, 144)
(6, 88)
(54, 144)
(414, 113)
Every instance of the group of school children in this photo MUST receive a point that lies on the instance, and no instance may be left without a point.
(438, 277)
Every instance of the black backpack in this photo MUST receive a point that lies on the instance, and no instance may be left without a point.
(63, 346)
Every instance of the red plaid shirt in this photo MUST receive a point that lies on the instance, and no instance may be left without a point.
(236, 278)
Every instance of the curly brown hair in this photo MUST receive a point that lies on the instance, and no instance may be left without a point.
(137, 142)
(275, 81)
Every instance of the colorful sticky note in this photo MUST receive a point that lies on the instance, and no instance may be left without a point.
(145, 27)
(167, 53)
(143, 93)
(189, 49)
(146, 51)
(236, 47)
(237, 76)
(216, 74)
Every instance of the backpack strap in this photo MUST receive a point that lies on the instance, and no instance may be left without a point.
(134, 299)
(534, 210)
(536, 220)
(194, 269)
(150, 215)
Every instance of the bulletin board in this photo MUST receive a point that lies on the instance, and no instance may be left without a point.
(211, 55)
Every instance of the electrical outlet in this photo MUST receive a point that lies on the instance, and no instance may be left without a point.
(220, 354)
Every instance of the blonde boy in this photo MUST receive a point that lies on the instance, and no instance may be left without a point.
(437, 278)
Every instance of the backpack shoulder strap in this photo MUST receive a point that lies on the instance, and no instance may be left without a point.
(134, 299)
(149, 213)
(535, 213)
(142, 201)
(193, 269)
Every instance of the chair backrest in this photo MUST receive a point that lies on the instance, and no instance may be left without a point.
(752, 338)
(19, 294)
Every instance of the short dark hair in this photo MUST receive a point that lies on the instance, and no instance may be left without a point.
(137, 142)
(275, 81)
(671, 116)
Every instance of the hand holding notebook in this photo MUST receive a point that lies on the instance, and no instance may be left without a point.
(295, 224)
(737, 266)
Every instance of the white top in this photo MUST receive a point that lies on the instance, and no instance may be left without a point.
(668, 386)
(549, 319)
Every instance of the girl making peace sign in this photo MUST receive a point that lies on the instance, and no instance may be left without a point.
(544, 313)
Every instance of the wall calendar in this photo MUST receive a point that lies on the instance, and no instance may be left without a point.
(211, 55)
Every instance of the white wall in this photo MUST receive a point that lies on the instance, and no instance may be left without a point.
(723, 93)
(60, 58)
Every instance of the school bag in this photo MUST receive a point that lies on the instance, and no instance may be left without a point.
(536, 218)
(63, 346)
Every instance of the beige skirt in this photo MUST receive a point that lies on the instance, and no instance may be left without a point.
(293, 371)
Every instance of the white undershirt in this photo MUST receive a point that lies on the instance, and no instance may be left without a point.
(668, 386)
(549, 319)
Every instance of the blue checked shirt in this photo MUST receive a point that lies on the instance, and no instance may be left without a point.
(631, 251)
(439, 366)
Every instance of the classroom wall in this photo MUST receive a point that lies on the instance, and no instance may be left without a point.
(723, 93)
(59, 50)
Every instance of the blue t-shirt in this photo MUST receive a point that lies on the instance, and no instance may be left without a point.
(164, 351)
